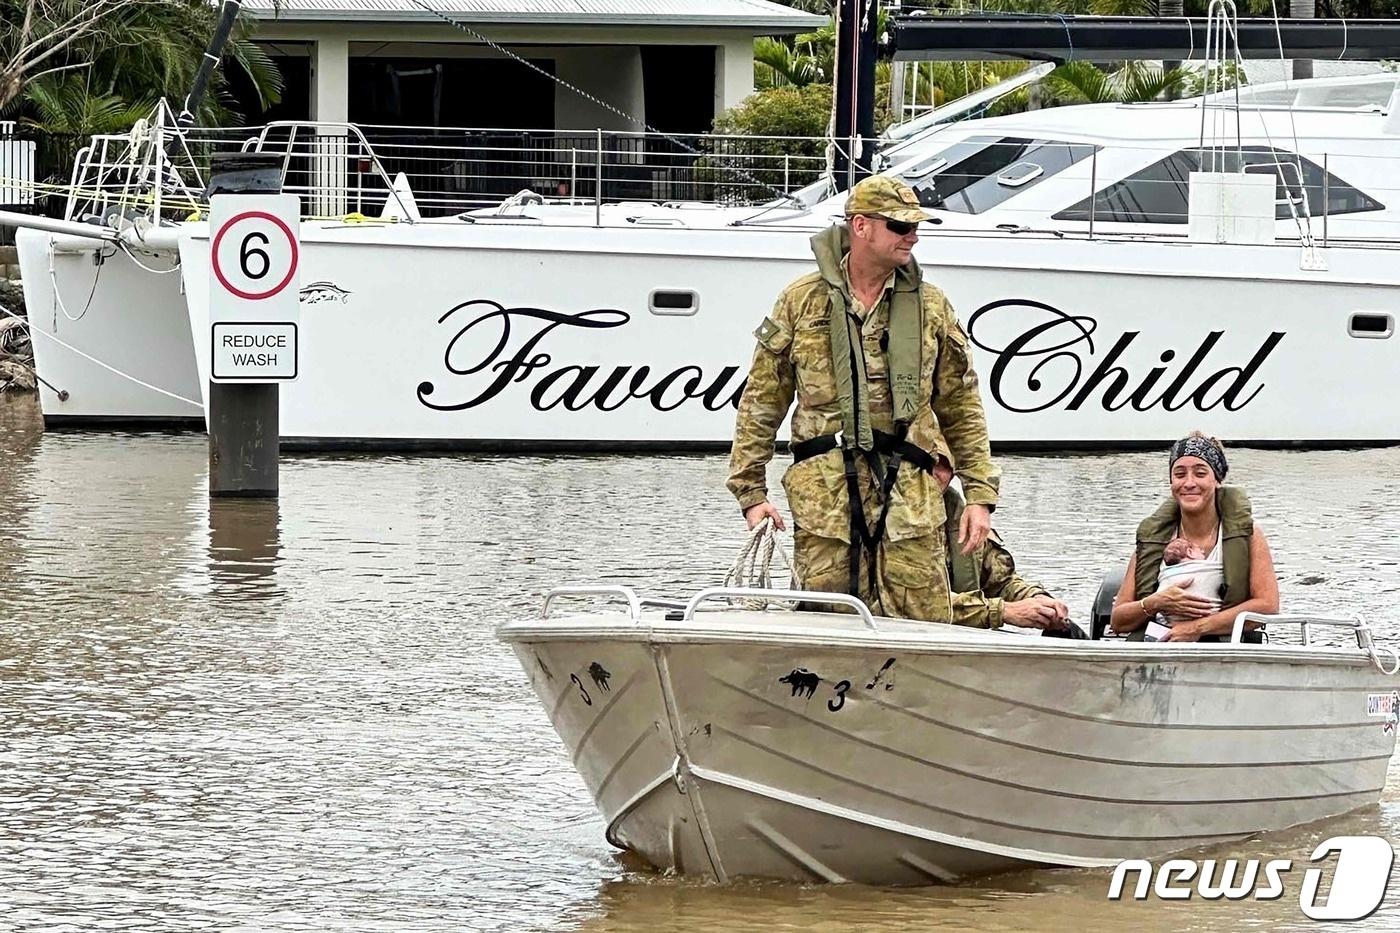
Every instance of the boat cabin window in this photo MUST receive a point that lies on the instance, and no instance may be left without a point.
(1158, 193)
(980, 172)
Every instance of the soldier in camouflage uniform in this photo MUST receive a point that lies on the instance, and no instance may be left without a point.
(987, 592)
(885, 390)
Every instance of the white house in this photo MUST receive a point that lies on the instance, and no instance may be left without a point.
(672, 63)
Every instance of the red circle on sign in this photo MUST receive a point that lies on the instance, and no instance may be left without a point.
(219, 273)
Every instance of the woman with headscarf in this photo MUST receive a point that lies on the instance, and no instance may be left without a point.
(1217, 519)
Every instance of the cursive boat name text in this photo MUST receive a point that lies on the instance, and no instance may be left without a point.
(572, 386)
(1042, 358)
(1049, 358)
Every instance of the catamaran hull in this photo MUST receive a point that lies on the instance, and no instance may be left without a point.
(111, 339)
(924, 758)
(540, 336)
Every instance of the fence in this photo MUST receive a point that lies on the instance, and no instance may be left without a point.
(452, 169)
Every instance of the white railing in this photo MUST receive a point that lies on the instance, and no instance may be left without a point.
(340, 169)
(16, 167)
(343, 168)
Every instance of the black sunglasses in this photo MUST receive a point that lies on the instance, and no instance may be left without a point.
(897, 227)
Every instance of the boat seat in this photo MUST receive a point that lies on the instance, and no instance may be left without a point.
(1103, 602)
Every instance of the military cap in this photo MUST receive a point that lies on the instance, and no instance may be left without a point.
(886, 196)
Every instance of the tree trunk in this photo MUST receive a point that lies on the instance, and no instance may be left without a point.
(1168, 9)
(1302, 9)
(10, 86)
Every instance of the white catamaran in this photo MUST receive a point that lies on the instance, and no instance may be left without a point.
(1113, 293)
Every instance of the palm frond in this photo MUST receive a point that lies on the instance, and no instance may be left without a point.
(1140, 81)
(65, 105)
(1123, 7)
(252, 59)
(1080, 82)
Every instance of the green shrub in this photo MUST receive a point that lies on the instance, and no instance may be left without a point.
(787, 148)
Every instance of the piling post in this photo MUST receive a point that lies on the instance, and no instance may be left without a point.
(254, 283)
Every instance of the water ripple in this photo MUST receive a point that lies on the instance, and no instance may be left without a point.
(293, 715)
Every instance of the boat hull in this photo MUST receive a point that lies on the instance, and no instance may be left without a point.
(111, 339)
(910, 759)
(480, 335)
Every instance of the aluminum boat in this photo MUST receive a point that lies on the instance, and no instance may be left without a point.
(725, 742)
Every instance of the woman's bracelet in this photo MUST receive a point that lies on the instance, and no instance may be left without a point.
(1147, 613)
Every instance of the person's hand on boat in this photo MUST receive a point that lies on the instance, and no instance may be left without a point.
(765, 509)
(1040, 612)
(1177, 604)
(976, 523)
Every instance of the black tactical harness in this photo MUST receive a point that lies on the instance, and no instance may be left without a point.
(898, 450)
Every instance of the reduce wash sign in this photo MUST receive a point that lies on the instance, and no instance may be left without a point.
(254, 286)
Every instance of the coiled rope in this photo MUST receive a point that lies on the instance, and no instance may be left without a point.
(753, 567)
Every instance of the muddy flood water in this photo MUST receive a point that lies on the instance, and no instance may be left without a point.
(293, 715)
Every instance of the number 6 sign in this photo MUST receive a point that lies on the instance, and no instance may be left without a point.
(254, 285)
(255, 254)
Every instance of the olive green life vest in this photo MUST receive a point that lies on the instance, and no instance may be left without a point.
(905, 353)
(1236, 530)
(964, 570)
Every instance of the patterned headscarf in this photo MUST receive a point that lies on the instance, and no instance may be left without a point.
(1203, 447)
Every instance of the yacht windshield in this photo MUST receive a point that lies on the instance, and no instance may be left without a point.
(980, 172)
(1159, 193)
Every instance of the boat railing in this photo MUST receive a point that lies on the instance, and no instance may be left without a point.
(763, 593)
(455, 169)
(687, 608)
(1364, 637)
(625, 593)
(339, 169)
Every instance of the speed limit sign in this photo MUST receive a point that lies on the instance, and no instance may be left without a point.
(254, 285)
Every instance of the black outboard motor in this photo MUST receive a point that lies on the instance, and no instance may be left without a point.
(1103, 603)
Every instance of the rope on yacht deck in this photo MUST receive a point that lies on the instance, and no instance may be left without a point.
(752, 568)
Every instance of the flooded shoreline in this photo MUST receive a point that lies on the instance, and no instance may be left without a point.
(294, 715)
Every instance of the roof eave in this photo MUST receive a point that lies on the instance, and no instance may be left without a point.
(761, 25)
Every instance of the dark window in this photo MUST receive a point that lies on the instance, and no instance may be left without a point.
(979, 173)
(296, 89)
(1158, 193)
(460, 92)
(678, 87)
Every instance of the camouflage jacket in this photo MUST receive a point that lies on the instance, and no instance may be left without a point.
(794, 359)
(987, 578)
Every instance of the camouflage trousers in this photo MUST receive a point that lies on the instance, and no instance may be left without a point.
(911, 572)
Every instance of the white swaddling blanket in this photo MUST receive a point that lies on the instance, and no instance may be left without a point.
(1204, 578)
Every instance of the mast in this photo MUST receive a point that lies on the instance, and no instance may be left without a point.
(854, 90)
(228, 14)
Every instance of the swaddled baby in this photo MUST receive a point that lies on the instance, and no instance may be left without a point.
(1180, 549)
(1182, 560)
(1185, 564)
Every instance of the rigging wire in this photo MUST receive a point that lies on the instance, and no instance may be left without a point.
(101, 259)
(107, 366)
(130, 254)
(781, 195)
(1306, 221)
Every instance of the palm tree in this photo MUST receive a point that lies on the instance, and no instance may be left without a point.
(1081, 82)
(138, 51)
(65, 105)
(810, 59)
(777, 64)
